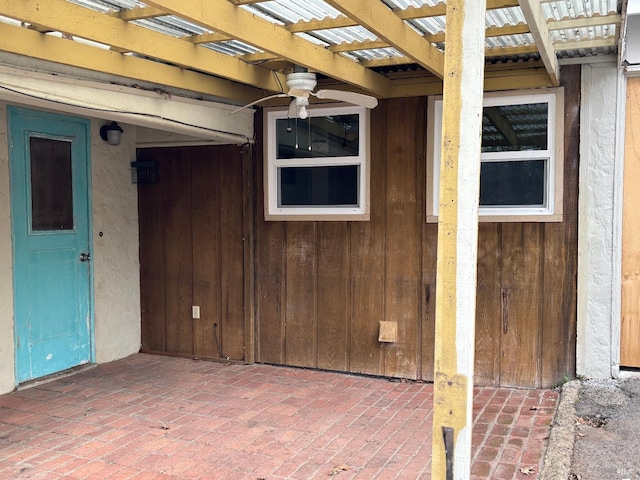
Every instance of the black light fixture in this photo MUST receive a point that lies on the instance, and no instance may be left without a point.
(111, 133)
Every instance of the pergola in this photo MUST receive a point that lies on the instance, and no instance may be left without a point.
(240, 50)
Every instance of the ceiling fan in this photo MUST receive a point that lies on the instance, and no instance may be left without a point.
(301, 85)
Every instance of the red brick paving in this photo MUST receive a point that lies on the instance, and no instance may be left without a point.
(153, 418)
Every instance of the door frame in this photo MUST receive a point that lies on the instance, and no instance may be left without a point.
(13, 112)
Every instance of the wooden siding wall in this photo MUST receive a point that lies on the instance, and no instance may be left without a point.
(322, 287)
(192, 227)
(630, 321)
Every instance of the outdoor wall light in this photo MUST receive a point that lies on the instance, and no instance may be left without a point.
(111, 133)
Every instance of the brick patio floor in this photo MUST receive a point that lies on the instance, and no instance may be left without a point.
(153, 417)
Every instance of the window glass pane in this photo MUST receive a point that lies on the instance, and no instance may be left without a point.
(513, 183)
(317, 137)
(319, 186)
(51, 190)
(508, 128)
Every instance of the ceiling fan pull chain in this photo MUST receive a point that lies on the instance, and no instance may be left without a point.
(309, 121)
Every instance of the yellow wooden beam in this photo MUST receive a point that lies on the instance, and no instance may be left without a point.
(22, 41)
(457, 241)
(224, 17)
(354, 46)
(489, 32)
(532, 11)
(511, 51)
(380, 20)
(494, 81)
(247, 2)
(258, 57)
(433, 38)
(496, 4)
(585, 22)
(439, 10)
(207, 38)
(387, 62)
(489, 52)
(324, 24)
(138, 13)
(593, 43)
(410, 13)
(65, 17)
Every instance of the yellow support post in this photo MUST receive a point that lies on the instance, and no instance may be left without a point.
(458, 240)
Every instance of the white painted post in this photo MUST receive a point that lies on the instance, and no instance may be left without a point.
(458, 240)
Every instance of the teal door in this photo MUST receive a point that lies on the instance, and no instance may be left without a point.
(49, 166)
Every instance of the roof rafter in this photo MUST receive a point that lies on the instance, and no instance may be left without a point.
(585, 44)
(582, 22)
(532, 11)
(64, 17)
(434, 38)
(224, 17)
(22, 41)
(489, 52)
(380, 20)
(508, 51)
(138, 13)
(207, 38)
(411, 13)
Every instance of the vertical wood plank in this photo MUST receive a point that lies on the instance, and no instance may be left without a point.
(367, 259)
(333, 295)
(488, 306)
(249, 261)
(301, 321)
(403, 234)
(558, 306)
(270, 247)
(429, 260)
(559, 315)
(178, 252)
(231, 332)
(270, 285)
(205, 174)
(521, 304)
(152, 273)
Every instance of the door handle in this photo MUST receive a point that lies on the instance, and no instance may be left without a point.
(85, 257)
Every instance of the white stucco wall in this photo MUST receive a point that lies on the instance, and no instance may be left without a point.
(598, 223)
(114, 254)
(116, 267)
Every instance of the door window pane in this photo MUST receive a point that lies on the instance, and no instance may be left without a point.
(51, 187)
(319, 186)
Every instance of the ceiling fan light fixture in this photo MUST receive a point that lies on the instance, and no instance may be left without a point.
(302, 81)
(301, 86)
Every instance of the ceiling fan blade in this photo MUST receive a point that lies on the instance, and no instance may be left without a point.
(277, 95)
(349, 97)
(293, 109)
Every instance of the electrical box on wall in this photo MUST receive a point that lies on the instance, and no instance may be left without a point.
(144, 173)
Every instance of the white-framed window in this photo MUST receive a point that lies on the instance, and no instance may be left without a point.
(521, 171)
(317, 168)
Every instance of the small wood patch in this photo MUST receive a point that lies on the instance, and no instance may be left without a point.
(388, 332)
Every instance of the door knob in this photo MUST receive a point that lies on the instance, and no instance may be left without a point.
(85, 257)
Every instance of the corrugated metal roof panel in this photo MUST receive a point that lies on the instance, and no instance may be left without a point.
(288, 12)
